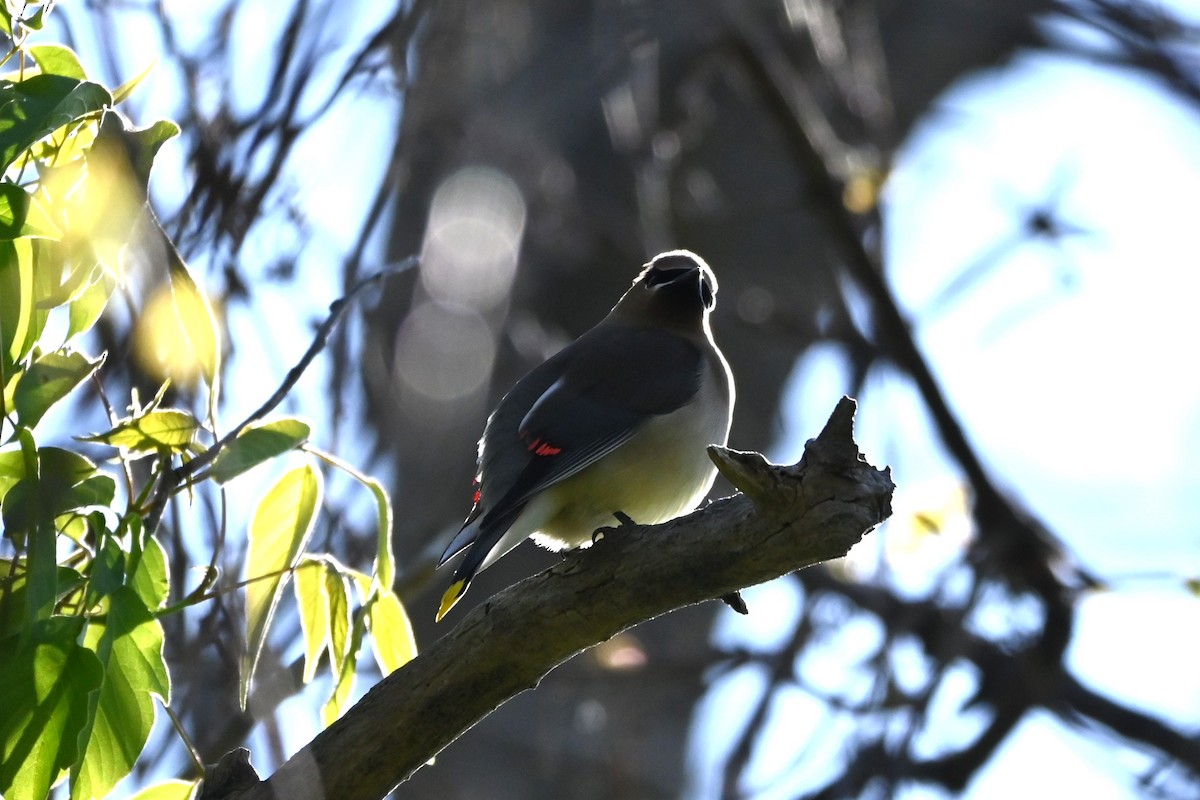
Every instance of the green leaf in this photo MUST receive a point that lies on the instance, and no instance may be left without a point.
(122, 92)
(12, 588)
(37, 19)
(169, 429)
(256, 444)
(13, 585)
(144, 144)
(340, 698)
(198, 322)
(108, 571)
(173, 789)
(17, 302)
(59, 482)
(149, 578)
(14, 206)
(129, 645)
(29, 520)
(98, 490)
(87, 307)
(59, 285)
(40, 105)
(385, 561)
(55, 59)
(22, 215)
(391, 632)
(12, 469)
(44, 687)
(132, 150)
(313, 600)
(48, 380)
(279, 531)
(340, 621)
(65, 467)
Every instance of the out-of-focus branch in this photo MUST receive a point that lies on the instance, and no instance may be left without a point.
(788, 518)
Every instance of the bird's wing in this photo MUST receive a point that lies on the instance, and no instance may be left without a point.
(573, 410)
(612, 382)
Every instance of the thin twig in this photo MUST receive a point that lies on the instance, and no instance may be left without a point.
(172, 478)
(177, 723)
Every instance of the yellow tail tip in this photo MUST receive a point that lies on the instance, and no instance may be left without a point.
(453, 594)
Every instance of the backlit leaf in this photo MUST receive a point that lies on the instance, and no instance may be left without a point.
(21, 215)
(129, 645)
(173, 789)
(48, 380)
(164, 428)
(256, 444)
(55, 59)
(44, 687)
(87, 307)
(279, 531)
(17, 302)
(313, 600)
(391, 632)
(339, 700)
(40, 105)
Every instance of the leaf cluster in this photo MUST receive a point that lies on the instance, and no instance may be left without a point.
(84, 578)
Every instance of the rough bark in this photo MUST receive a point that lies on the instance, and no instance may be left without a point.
(786, 518)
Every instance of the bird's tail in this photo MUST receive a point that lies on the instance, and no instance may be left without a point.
(469, 538)
(485, 538)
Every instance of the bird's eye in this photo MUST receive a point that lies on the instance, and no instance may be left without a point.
(706, 294)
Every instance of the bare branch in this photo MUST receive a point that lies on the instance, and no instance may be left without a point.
(813, 511)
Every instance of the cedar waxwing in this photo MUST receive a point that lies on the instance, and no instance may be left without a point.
(614, 424)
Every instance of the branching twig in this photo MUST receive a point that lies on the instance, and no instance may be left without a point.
(171, 479)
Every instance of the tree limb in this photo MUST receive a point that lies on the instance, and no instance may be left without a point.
(789, 517)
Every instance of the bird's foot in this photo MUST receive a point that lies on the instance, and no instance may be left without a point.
(623, 519)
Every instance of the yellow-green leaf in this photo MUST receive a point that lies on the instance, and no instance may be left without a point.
(339, 616)
(48, 380)
(162, 428)
(256, 444)
(18, 305)
(149, 575)
(279, 531)
(22, 215)
(173, 789)
(385, 561)
(391, 632)
(340, 698)
(176, 334)
(89, 304)
(125, 89)
(55, 59)
(44, 688)
(313, 600)
(128, 640)
(198, 322)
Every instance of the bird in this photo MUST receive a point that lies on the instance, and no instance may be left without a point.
(614, 425)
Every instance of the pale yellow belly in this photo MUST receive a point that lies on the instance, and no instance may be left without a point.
(659, 474)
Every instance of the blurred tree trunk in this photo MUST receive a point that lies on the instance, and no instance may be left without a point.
(629, 128)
